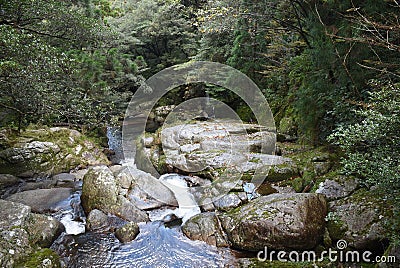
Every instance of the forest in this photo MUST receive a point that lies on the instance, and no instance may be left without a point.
(329, 69)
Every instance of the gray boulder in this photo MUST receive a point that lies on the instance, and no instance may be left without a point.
(144, 190)
(228, 202)
(206, 227)
(337, 188)
(41, 200)
(100, 191)
(22, 231)
(277, 221)
(359, 219)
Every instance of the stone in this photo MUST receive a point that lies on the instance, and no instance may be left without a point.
(277, 221)
(127, 233)
(96, 220)
(99, 190)
(228, 202)
(21, 232)
(339, 187)
(7, 180)
(206, 227)
(49, 152)
(359, 219)
(145, 191)
(43, 230)
(41, 200)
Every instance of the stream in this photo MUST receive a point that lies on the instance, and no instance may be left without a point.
(155, 246)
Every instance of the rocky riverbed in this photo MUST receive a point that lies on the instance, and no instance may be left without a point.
(64, 203)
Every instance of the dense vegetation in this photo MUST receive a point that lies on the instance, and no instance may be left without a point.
(329, 67)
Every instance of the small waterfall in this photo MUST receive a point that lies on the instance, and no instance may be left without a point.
(187, 204)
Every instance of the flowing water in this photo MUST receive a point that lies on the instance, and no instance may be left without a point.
(155, 246)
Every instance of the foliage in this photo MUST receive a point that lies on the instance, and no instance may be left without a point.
(372, 144)
(53, 68)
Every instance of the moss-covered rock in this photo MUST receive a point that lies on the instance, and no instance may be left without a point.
(128, 232)
(101, 191)
(43, 258)
(359, 219)
(22, 233)
(206, 227)
(277, 221)
(48, 151)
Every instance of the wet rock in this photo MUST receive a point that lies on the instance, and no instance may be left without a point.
(7, 180)
(128, 211)
(43, 230)
(228, 202)
(127, 233)
(359, 219)
(206, 227)
(96, 220)
(41, 200)
(339, 187)
(277, 221)
(145, 191)
(99, 190)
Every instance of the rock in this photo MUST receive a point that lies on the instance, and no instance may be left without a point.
(43, 230)
(43, 258)
(48, 152)
(128, 211)
(212, 146)
(227, 202)
(22, 231)
(65, 180)
(128, 232)
(339, 187)
(100, 191)
(283, 171)
(321, 168)
(7, 180)
(145, 191)
(206, 227)
(41, 200)
(277, 221)
(8, 184)
(359, 219)
(13, 214)
(96, 220)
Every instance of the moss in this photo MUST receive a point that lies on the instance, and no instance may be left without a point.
(41, 258)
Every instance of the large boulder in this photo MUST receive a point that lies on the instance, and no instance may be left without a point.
(338, 187)
(359, 219)
(41, 200)
(21, 232)
(100, 191)
(206, 227)
(277, 221)
(144, 190)
(48, 151)
(212, 147)
(7, 182)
